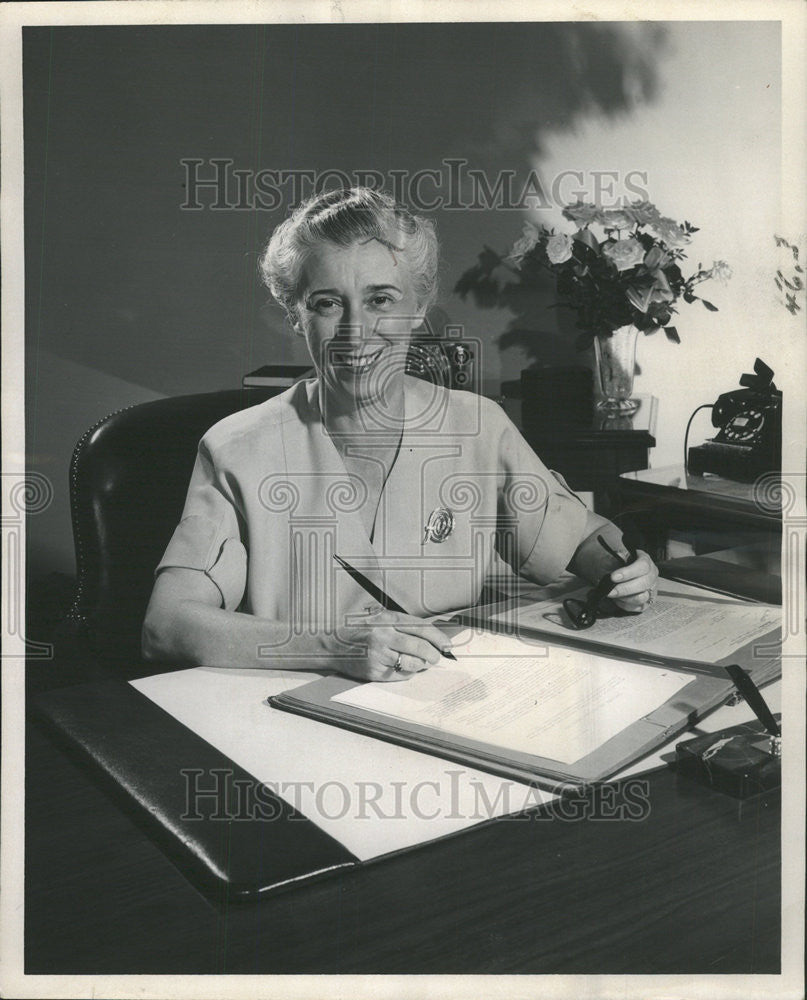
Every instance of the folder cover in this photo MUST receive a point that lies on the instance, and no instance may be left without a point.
(702, 694)
(443, 727)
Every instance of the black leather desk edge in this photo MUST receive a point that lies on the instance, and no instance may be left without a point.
(142, 756)
(248, 849)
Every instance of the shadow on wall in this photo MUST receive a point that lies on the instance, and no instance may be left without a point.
(121, 278)
(549, 77)
(604, 70)
(493, 283)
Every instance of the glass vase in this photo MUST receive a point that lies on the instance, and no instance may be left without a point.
(616, 362)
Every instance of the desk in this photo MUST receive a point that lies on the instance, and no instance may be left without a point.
(588, 893)
(712, 512)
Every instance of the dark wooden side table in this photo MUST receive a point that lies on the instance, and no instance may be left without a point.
(739, 524)
(590, 457)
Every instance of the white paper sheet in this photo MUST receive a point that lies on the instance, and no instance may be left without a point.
(299, 757)
(693, 626)
(371, 796)
(561, 704)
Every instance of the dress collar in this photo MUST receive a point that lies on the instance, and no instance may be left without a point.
(424, 406)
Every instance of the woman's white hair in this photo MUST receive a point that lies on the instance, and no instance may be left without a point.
(344, 218)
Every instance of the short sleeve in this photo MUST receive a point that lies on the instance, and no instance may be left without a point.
(208, 537)
(548, 521)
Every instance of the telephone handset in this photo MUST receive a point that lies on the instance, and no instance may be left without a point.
(749, 441)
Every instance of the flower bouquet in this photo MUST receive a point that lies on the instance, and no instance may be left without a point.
(621, 273)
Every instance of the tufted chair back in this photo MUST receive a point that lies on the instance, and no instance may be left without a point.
(128, 479)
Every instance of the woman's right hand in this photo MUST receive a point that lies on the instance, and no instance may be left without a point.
(390, 647)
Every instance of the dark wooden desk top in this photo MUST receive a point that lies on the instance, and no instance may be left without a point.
(692, 886)
(763, 498)
(699, 500)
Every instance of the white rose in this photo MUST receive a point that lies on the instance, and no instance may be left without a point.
(583, 213)
(530, 235)
(615, 218)
(624, 253)
(721, 271)
(670, 232)
(559, 248)
(643, 212)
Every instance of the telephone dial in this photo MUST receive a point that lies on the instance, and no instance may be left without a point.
(749, 441)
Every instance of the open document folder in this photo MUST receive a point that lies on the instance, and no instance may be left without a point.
(533, 708)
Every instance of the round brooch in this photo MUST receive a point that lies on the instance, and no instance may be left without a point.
(439, 526)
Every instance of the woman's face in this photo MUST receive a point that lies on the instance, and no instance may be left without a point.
(357, 309)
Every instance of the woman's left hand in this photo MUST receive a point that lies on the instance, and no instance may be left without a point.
(636, 584)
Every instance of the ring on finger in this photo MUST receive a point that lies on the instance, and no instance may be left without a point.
(396, 666)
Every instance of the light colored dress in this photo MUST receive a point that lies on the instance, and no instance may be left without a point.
(270, 502)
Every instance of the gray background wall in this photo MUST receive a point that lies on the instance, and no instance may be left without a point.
(130, 297)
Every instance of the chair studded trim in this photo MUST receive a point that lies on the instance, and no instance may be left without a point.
(129, 474)
(75, 612)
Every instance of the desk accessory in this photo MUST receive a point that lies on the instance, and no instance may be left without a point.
(740, 762)
(583, 614)
(139, 749)
(324, 700)
(271, 812)
(756, 702)
(749, 421)
(335, 700)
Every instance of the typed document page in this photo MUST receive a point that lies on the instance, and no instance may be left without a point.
(685, 625)
(556, 703)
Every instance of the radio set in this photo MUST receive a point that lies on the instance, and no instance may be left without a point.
(449, 363)
(749, 441)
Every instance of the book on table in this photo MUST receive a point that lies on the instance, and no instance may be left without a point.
(276, 376)
(532, 700)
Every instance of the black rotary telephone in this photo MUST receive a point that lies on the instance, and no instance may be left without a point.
(749, 441)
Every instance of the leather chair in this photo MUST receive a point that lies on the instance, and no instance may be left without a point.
(128, 479)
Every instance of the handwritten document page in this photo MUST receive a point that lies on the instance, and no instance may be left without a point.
(560, 704)
(685, 625)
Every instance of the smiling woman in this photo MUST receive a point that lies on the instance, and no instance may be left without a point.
(357, 308)
(361, 464)
(342, 219)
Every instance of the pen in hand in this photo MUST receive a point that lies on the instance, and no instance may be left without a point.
(632, 554)
(583, 614)
(387, 602)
